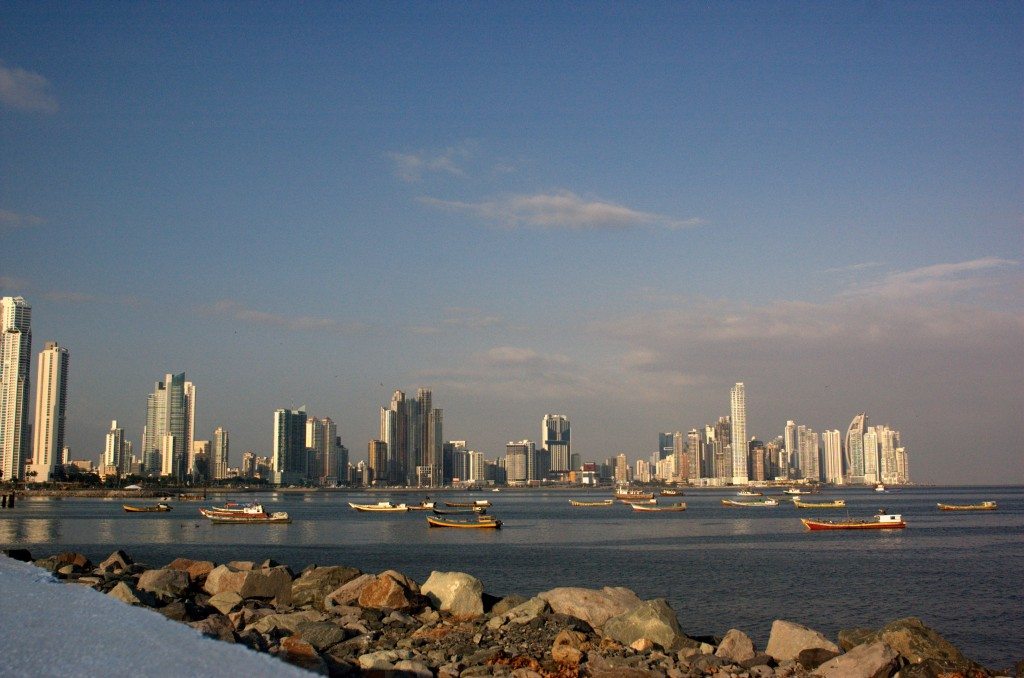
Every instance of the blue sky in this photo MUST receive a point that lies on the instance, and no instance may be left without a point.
(611, 211)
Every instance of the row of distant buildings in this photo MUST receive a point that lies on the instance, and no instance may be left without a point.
(411, 449)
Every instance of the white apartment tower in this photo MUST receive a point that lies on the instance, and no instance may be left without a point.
(115, 450)
(738, 397)
(833, 470)
(219, 456)
(15, 363)
(51, 409)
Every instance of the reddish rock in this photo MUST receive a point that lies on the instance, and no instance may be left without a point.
(389, 592)
(71, 558)
(347, 593)
(118, 561)
(197, 570)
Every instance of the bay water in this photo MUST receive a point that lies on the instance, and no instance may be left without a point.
(718, 567)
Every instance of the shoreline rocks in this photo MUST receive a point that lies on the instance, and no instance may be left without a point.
(339, 621)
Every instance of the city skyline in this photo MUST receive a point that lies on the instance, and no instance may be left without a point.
(616, 212)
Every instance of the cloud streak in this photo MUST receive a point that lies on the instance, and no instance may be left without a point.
(10, 221)
(411, 167)
(237, 311)
(937, 279)
(561, 209)
(26, 91)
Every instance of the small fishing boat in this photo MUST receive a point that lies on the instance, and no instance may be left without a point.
(797, 491)
(476, 510)
(422, 506)
(667, 508)
(881, 521)
(650, 500)
(481, 523)
(155, 508)
(880, 488)
(380, 507)
(468, 504)
(603, 502)
(762, 502)
(749, 493)
(250, 518)
(836, 503)
(229, 511)
(671, 493)
(191, 497)
(981, 506)
(633, 495)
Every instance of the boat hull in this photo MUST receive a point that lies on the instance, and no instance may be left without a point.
(640, 508)
(606, 502)
(159, 508)
(247, 519)
(817, 525)
(380, 508)
(491, 524)
(748, 504)
(984, 506)
(819, 505)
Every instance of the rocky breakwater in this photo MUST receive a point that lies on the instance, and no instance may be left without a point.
(339, 621)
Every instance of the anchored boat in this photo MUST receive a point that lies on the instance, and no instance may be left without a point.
(981, 506)
(762, 502)
(155, 508)
(380, 507)
(481, 523)
(468, 504)
(250, 518)
(837, 503)
(668, 508)
(882, 521)
(603, 502)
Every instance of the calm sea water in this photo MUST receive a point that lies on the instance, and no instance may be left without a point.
(718, 567)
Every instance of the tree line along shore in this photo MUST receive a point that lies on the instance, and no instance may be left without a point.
(340, 621)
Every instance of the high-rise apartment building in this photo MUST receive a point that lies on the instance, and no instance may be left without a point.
(792, 461)
(51, 410)
(219, 454)
(520, 459)
(738, 401)
(376, 455)
(855, 449)
(554, 430)
(621, 469)
(15, 364)
(115, 451)
(807, 446)
(871, 447)
(289, 461)
(833, 457)
(166, 445)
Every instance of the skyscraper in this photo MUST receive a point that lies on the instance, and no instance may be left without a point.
(289, 462)
(833, 470)
(115, 451)
(189, 390)
(792, 460)
(166, 446)
(51, 409)
(219, 456)
(554, 430)
(738, 397)
(855, 448)
(15, 363)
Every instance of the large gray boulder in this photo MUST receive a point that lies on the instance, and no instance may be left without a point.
(736, 646)
(285, 622)
(523, 613)
(788, 639)
(592, 606)
(457, 593)
(653, 620)
(165, 582)
(871, 660)
(321, 634)
(918, 643)
(313, 585)
(272, 583)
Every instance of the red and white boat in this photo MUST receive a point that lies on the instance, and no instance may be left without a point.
(882, 521)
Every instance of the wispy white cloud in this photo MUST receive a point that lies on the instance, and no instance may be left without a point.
(413, 166)
(237, 311)
(561, 209)
(854, 268)
(26, 91)
(937, 279)
(10, 221)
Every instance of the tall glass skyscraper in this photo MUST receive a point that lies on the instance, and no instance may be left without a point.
(166, 445)
(738, 397)
(51, 410)
(15, 363)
